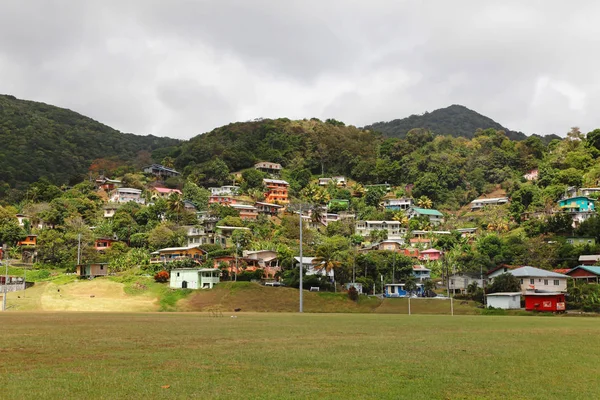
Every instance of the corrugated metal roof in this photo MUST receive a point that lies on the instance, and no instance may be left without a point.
(536, 272)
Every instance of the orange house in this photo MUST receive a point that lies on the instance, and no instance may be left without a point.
(30, 240)
(103, 244)
(277, 191)
(222, 200)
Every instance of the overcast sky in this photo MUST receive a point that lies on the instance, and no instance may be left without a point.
(182, 67)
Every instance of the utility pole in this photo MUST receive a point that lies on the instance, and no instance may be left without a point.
(237, 249)
(5, 251)
(301, 263)
(79, 249)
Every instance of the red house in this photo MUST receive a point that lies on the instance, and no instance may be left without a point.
(550, 302)
(103, 244)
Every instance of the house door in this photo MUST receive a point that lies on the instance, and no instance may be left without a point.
(184, 285)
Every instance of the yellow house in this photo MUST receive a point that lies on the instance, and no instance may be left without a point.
(171, 254)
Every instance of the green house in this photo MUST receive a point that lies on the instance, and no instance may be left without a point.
(338, 204)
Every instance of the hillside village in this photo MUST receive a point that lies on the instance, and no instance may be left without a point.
(419, 215)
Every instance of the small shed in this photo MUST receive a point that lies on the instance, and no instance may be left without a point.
(92, 270)
(551, 302)
(504, 300)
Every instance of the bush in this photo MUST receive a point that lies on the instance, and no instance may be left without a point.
(352, 293)
(162, 277)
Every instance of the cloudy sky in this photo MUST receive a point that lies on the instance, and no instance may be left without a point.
(183, 67)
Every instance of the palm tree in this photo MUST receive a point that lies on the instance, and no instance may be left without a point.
(424, 202)
(358, 190)
(401, 217)
(316, 215)
(176, 204)
(168, 162)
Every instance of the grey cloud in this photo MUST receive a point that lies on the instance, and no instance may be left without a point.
(183, 67)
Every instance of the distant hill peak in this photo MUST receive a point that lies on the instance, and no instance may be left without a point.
(455, 120)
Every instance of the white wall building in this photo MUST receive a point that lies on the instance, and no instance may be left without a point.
(478, 204)
(504, 300)
(125, 195)
(225, 190)
(191, 278)
(394, 229)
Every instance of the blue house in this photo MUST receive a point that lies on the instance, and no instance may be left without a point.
(397, 290)
(421, 273)
(577, 204)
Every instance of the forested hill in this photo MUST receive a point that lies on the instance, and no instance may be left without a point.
(40, 140)
(455, 120)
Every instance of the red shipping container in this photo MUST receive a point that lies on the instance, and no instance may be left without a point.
(551, 302)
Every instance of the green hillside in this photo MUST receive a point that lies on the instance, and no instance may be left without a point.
(455, 120)
(41, 140)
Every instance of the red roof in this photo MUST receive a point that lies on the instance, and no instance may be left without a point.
(167, 190)
(561, 270)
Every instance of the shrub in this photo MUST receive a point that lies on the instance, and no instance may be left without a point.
(161, 276)
(352, 293)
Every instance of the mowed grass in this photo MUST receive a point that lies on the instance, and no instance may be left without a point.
(309, 356)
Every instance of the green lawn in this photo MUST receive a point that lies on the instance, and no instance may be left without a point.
(311, 356)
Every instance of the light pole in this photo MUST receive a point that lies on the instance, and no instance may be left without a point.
(301, 263)
(237, 249)
(5, 251)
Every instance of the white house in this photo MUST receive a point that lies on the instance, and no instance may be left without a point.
(461, 281)
(310, 268)
(338, 180)
(536, 279)
(394, 229)
(478, 204)
(192, 278)
(228, 190)
(504, 300)
(398, 204)
(125, 195)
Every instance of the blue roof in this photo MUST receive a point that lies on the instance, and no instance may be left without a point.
(590, 268)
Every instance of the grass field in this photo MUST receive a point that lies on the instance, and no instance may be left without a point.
(279, 356)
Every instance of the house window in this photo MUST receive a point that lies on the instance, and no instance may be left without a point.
(546, 282)
(556, 282)
(521, 281)
(178, 274)
(452, 281)
(531, 281)
(101, 267)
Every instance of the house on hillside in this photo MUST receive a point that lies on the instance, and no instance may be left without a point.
(435, 217)
(268, 209)
(459, 282)
(110, 210)
(160, 171)
(164, 193)
(532, 175)
(311, 269)
(29, 241)
(398, 204)
(394, 229)
(502, 269)
(585, 273)
(339, 181)
(247, 212)
(589, 191)
(395, 245)
(539, 280)
(171, 254)
(227, 190)
(204, 234)
(277, 191)
(430, 255)
(222, 200)
(478, 204)
(421, 273)
(103, 244)
(194, 278)
(107, 184)
(125, 195)
(268, 167)
(92, 270)
(591, 259)
(419, 242)
(580, 208)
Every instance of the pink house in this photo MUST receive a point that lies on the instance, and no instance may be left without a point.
(430, 255)
(532, 175)
(164, 192)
